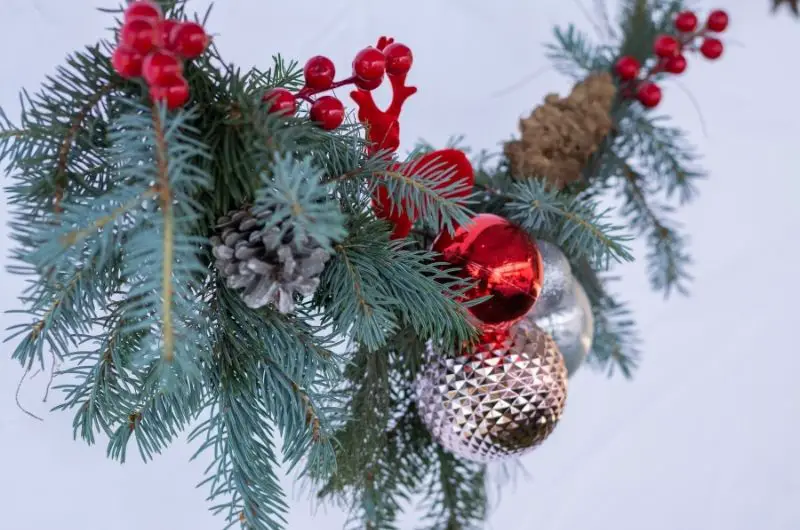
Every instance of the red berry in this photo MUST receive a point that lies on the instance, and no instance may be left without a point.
(189, 39)
(143, 9)
(711, 48)
(717, 21)
(368, 84)
(675, 65)
(280, 101)
(648, 94)
(369, 64)
(138, 34)
(627, 68)
(398, 58)
(666, 46)
(175, 93)
(319, 73)
(686, 22)
(165, 29)
(127, 62)
(161, 68)
(328, 112)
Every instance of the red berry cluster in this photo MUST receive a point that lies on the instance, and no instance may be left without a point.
(670, 53)
(154, 48)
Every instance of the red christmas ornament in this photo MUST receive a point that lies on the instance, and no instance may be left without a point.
(504, 263)
(675, 65)
(149, 11)
(369, 64)
(648, 94)
(280, 100)
(319, 73)
(398, 58)
(686, 22)
(165, 29)
(711, 48)
(138, 34)
(328, 112)
(717, 21)
(627, 68)
(384, 208)
(161, 68)
(666, 46)
(175, 93)
(127, 62)
(189, 39)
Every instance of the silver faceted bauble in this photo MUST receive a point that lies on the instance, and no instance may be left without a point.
(558, 281)
(571, 324)
(498, 401)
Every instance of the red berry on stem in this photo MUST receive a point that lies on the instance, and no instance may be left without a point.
(138, 34)
(127, 62)
(686, 22)
(371, 84)
(161, 68)
(398, 58)
(666, 46)
(369, 64)
(328, 111)
(175, 93)
(675, 65)
(143, 9)
(627, 68)
(319, 73)
(164, 30)
(280, 101)
(189, 39)
(717, 21)
(711, 48)
(648, 94)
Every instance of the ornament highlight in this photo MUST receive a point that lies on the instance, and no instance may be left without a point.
(497, 401)
(557, 284)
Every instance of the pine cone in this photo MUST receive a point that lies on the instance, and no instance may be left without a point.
(559, 136)
(269, 267)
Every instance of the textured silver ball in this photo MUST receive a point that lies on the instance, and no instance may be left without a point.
(558, 280)
(497, 402)
(570, 324)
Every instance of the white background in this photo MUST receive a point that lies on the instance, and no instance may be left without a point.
(706, 436)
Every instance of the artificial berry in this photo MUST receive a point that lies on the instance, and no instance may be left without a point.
(717, 21)
(175, 93)
(143, 9)
(369, 64)
(138, 34)
(711, 48)
(648, 94)
(319, 73)
(686, 22)
(189, 39)
(398, 58)
(666, 46)
(165, 29)
(281, 101)
(161, 68)
(368, 84)
(627, 68)
(675, 65)
(127, 62)
(328, 112)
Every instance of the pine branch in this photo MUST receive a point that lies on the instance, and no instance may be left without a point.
(455, 498)
(575, 56)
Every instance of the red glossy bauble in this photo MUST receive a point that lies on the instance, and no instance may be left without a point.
(161, 68)
(143, 9)
(319, 73)
(502, 260)
(627, 68)
(686, 21)
(675, 65)
(711, 48)
(280, 101)
(384, 208)
(717, 21)
(454, 167)
(189, 39)
(138, 34)
(165, 30)
(666, 46)
(369, 64)
(328, 112)
(398, 58)
(175, 94)
(649, 94)
(127, 62)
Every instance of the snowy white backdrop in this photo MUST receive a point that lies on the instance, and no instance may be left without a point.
(706, 436)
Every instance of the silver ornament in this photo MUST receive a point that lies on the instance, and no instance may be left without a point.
(571, 325)
(499, 401)
(558, 281)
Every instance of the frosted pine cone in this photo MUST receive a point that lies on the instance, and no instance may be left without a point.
(269, 265)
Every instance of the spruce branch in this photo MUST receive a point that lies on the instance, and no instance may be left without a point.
(455, 497)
